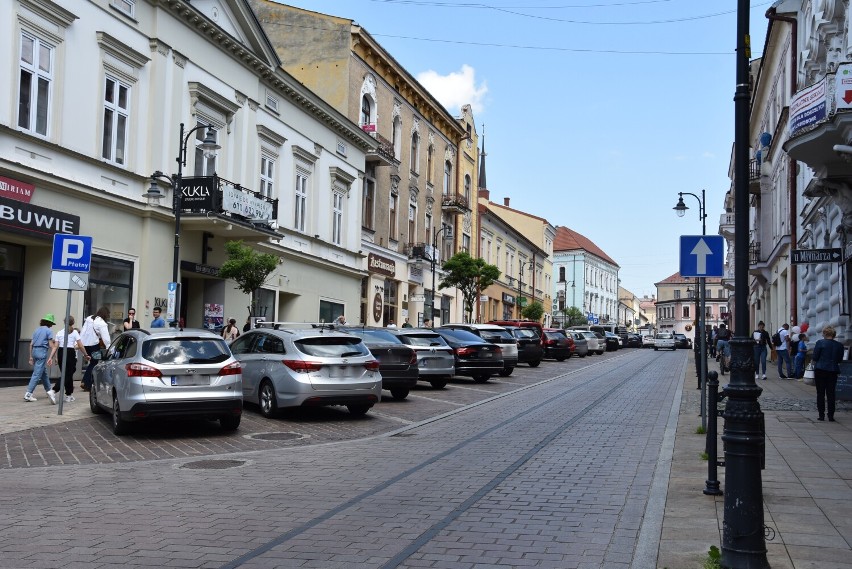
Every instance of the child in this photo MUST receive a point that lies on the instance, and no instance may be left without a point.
(801, 353)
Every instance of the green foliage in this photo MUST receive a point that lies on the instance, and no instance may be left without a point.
(248, 268)
(575, 317)
(471, 276)
(533, 311)
(700, 430)
(704, 456)
(714, 558)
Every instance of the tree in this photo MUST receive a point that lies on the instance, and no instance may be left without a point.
(533, 311)
(471, 276)
(574, 317)
(248, 268)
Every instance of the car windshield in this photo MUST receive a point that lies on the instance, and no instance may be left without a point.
(664, 336)
(496, 335)
(526, 333)
(186, 351)
(423, 340)
(369, 334)
(461, 335)
(332, 347)
(554, 335)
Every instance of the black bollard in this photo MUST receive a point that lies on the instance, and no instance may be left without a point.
(711, 485)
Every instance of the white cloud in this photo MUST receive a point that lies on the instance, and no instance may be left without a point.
(455, 89)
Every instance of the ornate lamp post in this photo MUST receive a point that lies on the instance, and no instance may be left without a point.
(521, 282)
(154, 194)
(447, 230)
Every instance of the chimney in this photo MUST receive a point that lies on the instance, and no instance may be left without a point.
(485, 194)
(506, 202)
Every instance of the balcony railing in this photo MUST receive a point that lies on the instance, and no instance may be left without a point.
(384, 152)
(754, 253)
(454, 203)
(753, 177)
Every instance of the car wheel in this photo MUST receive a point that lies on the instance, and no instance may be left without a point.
(505, 372)
(600, 352)
(535, 364)
(230, 422)
(93, 402)
(583, 355)
(358, 410)
(482, 377)
(558, 360)
(267, 400)
(439, 383)
(399, 393)
(119, 425)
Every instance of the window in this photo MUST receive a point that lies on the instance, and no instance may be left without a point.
(125, 6)
(392, 217)
(686, 312)
(415, 153)
(369, 197)
(448, 177)
(467, 188)
(677, 294)
(428, 227)
(397, 138)
(116, 104)
(562, 274)
(267, 171)
(204, 165)
(365, 111)
(412, 223)
(301, 207)
(328, 310)
(430, 155)
(34, 91)
(337, 218)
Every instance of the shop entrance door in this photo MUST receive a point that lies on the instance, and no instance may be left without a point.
(10, 306)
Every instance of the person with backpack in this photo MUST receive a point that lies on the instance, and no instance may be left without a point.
(781, 341)
(761, 343)
(723, 337)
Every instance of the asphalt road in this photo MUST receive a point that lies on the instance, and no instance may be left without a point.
(551, 467)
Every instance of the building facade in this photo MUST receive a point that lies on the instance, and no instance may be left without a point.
(677, 304)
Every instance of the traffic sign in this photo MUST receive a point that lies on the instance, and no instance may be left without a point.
(72, 253)
(702, 256)
(65, 280)
(804, 256)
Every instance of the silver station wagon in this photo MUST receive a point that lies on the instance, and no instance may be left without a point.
(435, 358)
(307, 367)
(166, 372)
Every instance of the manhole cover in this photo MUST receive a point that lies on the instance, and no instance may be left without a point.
(276, 436)
(213, 464)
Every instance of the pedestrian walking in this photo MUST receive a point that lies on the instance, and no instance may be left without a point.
(713, 334)
(783, 352)
(761, 343)
(828, 352)
(801, 354)
(158, 321)
(130, 322)
(231, 332)
(42, 345)
(95, 337)
(67, 350)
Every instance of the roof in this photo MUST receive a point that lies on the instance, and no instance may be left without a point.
(678, 279)
(568, 239)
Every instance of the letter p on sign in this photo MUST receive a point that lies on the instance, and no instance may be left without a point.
(72, 253)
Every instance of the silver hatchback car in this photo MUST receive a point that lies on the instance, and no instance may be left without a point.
(166, 372)
(435, 358)
(311, 367)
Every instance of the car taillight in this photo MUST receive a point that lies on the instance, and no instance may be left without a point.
(498, 350)
(464, 351)
(142, 370)
(372, 365)
(413, 359)
(302, 366)
(232, 369)
(550, 342)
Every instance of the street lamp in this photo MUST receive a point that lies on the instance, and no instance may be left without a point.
(522, 264)
(700, 346)
(447, 230)
(208, 147)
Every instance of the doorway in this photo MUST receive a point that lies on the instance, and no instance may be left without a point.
(10, 316)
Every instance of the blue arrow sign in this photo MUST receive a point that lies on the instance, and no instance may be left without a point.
(702, 256)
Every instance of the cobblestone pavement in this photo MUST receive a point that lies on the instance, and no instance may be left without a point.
(555, 474)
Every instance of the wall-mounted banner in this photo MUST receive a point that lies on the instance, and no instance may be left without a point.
(241, 202)
(808, 107)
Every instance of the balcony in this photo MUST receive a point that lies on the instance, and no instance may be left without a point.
(726, 226)
(454, 204)
(753, 253)
(753, 177)
(384, 152)
(416, 251)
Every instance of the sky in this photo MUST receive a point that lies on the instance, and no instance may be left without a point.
(596, 113)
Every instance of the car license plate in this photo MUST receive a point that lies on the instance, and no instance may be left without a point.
(194, 379)
(487, 354)
(336, 372)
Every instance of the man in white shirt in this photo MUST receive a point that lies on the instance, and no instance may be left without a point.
(784, 352)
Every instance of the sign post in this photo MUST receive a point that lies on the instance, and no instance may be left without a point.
(806, 256)
(72, 259)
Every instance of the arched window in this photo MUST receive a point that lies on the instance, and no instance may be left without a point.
(415, 153)
(448, 178)
(366, 114)
(397, 138)
(467, 187)
(430, 154)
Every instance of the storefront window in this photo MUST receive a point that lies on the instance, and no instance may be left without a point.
(328, 311)
(265, 303)
(389, 310)
(110, 285)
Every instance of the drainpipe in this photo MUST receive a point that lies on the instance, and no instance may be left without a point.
(771, 15)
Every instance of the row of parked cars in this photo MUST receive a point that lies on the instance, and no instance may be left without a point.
(148, 374)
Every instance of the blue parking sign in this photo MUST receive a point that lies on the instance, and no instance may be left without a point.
(72, 253)
(702, 256)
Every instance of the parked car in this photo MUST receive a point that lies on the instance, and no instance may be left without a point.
(634, 341)
(168, 372)
(664, 341)
(682, 341)
(435, 358)
(286, 368)
(474, 356)
(648, 341)
(530, 350)
(558, 344)
(597, 344)
(581, 344)
(539, 329)
(496, 335)
(397, 362)
(613, 342)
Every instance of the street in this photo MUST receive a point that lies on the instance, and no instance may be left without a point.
(550, 467)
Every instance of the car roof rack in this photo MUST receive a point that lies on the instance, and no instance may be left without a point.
(268, 324)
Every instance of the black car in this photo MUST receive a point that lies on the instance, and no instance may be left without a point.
(475, 357)
(613, 342)
(397, 362)
(682, 341)
(558, 345)
(633, 341)
(496, 335)
(530, 350)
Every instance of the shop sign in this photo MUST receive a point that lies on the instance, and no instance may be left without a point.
(35, 221)
(377, 307)
(198, 194)
(808, 107)
(199, 269)
(508, 299)
(242, 203)
(16, 190)
(381, 265)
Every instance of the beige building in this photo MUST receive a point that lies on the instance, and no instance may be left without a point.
(676, 304)
(416, 191)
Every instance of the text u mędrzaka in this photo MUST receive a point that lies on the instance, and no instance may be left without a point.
(36, 219)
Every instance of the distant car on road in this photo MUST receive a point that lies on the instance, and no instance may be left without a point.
(397, 362)
(474, 356)
(613, 342)
(664, 341)
(682, 341)
(633, 341)
(496, 335)
(530, 350)
(648, 341)
(581, 343)
(435, 358)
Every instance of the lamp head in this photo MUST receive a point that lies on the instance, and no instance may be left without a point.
(680, 208)
(209, 147)
(154, 193)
